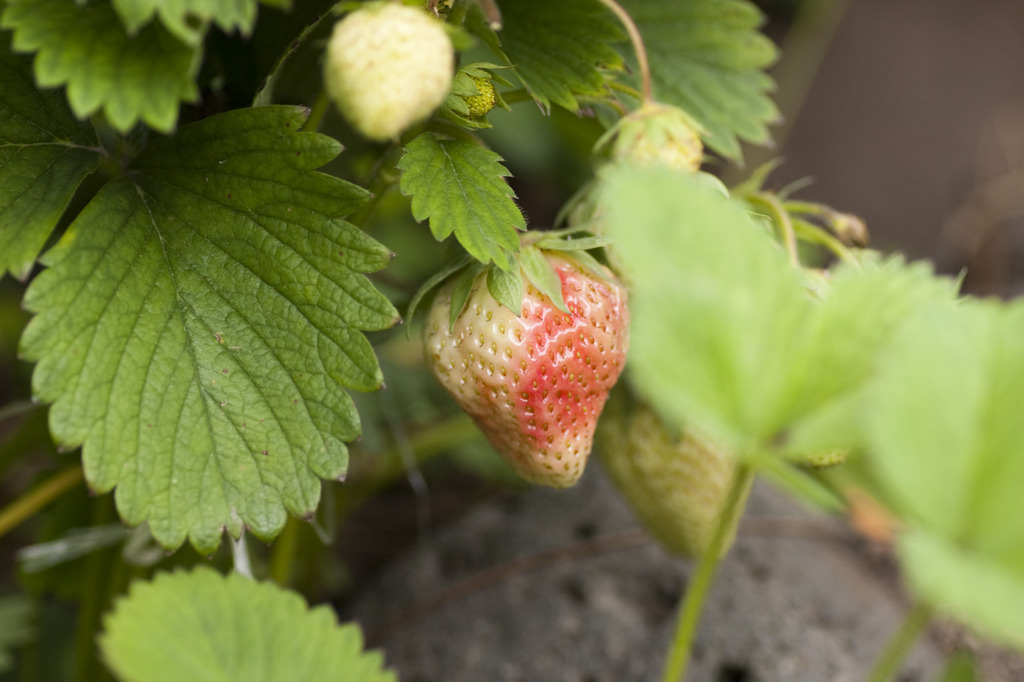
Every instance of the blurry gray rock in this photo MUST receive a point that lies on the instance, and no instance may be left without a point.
(553, 586)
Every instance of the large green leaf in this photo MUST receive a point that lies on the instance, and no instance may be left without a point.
(708, 58)
(142, 77)
(559, 49)
(724, 329)
(199, 321)
(461, 188)
(947, 446)
(204, 627)
(188, 19)
(44, 155)
(947, 428)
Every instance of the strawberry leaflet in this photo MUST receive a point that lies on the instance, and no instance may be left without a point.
(947, 447)
(199, 321)
(200, 625)
(725, 333)
(461, 188)
(142, 77)
(189, 19)
(559, 49)
(44, 155)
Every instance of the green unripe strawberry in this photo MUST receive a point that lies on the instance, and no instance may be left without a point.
(484, 102)
(676, 484)
(657, 135)
(387, 67)
(534, 380)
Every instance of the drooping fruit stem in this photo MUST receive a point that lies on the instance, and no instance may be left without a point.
(39, 496)
(895, 652)
(638, 46)
(700, 583)
(780, 217)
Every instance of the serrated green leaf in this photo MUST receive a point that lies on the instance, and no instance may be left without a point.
(708, 58)
(129, 78)
(204, 627)
(44, 156)
(188, 20)
(560, 49)
(946, 425)
(16, 629)
(198, 325)
(719, 316)
(460, 187)
(947, 446)
(543, 276)
(723, 328)
(863, 304)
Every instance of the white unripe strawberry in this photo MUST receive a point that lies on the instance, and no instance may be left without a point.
(387, 67)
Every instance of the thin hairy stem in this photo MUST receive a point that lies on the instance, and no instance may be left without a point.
(638, 47)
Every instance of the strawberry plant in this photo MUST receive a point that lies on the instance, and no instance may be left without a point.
(216, 216)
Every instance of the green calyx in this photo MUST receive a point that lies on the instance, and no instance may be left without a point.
(473, 95)
(528, 264)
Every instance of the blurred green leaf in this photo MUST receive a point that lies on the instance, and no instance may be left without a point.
(44, 155)
(76, 543)
(199, 322)
(204, 627)
(947, 445)
(724, 330)
(16, 613)
(188, 19)
(708, 57)
(979, 590)
(142, 77)
(461, 188)
(559, 49)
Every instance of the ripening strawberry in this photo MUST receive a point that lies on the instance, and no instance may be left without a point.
(676, 484)
(535, 383)
(388, 66)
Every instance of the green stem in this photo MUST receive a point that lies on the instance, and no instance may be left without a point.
(316, 114)
(94, 596)
(638, 47)
(384, 175)
(780, 218)
(38, 497)
(700, 584)
(281, 558)
(895, 652)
